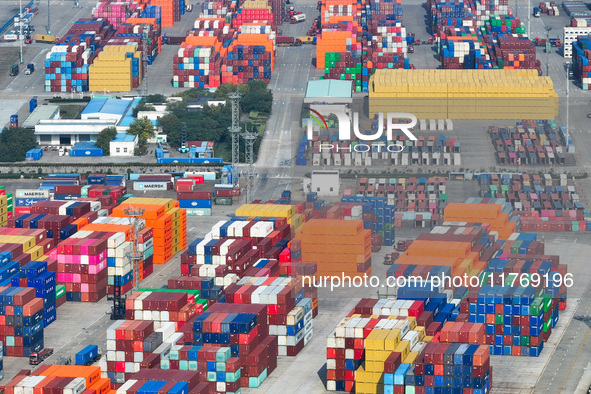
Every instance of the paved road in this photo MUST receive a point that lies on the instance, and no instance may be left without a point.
(275, 161)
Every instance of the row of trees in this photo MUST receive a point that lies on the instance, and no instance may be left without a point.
(15, 142)
(212, 123)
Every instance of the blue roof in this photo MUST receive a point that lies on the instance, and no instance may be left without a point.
(106, 106)
(124, 137)
(84, 145)
(94, 106)
(128, 117)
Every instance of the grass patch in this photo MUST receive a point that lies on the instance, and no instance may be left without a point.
(70, 111)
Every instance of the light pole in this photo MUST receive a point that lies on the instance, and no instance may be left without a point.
(567, 106)
(548, 46)
(529, 11)
(20, 21)
(48, 19)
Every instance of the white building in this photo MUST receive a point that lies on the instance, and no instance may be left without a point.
(325, 183)
(67, 132)
(123, 145)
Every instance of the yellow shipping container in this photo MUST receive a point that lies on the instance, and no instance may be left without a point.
(508, 94)
(27, 242)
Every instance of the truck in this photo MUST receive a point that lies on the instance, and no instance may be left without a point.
(37, 358)
(14, 70)
(189, 7)
(46, 38)
(555, 42)
(11, 36)
(401, 246)
(390, 258)
(536, 12)
(184, 148)
(284, 41)
(89, 355)
(540, 42)
(30, 69)
(172, 40)
(306, 39)
(298, 18)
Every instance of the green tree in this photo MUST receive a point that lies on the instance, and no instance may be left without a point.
(171, 126)
(15, 142)
(225, 89)
(143, 128)
(104, 138)
(258, 98)
(156, 98)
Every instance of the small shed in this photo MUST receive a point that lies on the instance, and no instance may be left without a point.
(123, 145)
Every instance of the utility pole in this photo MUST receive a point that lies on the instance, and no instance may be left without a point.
(118, 298)
(135, 255)
(145, 62)
(529, 11)
(184, 137)
(20, 23)
(567, 105)
(548, 48)
(48, 19)
(235, 130)
(249, 139)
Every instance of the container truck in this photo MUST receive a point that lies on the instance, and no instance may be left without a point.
(30, 69)
(171, 40)
(37, 358)
(284, 41)
(298, 18)
(536, 12)
(14, 70)
(45, 38)
(88, 355)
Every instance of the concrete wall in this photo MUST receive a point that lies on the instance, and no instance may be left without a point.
(76, 168)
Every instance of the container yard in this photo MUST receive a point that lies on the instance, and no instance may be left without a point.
(439, 244)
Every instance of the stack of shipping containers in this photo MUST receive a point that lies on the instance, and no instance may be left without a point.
(62, 378)
(196, 203)
(23, 325)
(581, 57)
(117, 68)
(290, 315)
(344, 52)
(37, 275)
(168, 223)
(336, 247)
(529, 142)
(429, 94)
(141, 336)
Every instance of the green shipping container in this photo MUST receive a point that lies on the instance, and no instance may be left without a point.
(223, 201)
(60, 291)
(515, 247)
